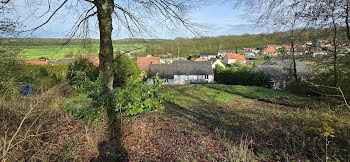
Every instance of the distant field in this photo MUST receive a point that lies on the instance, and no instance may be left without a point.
(60, 52)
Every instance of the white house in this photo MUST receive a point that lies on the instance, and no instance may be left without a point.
(216, 62)
(232, 58)
(182, 72)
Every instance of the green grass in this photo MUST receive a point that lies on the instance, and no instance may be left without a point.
(60, 52)
(279, 132)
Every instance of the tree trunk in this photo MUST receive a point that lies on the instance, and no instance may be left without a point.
(347, 21)
(293, 58)
(335, 58)
(105, 10)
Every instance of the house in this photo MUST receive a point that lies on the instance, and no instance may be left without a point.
(232, 58)
(144, 62)
(182, 72)
(250, 50)
(249, 53)
(200, 59)
(216, 62)
(38, 62)
(308, 43)
(279, 71)
(269, 52)
(222, 53)
(288, 48)
(207, 55)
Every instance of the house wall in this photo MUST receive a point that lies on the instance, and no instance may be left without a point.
(208, 57)
(217, 62)
(186, 79)
(229, 61)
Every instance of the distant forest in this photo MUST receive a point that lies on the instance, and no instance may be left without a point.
(194, 46)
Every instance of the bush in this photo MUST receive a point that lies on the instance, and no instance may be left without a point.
(242, 77)
(134, 98)
(124, 69)
(82, 65)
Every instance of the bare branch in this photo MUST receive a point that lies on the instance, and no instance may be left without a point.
(50, 17)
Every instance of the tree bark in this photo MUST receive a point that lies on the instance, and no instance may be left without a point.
(293, 58)
(335, 71)
(347, 21)
(105, 10)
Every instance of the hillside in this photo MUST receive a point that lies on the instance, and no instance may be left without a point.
(199, 122)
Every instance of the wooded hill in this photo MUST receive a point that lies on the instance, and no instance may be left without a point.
(194, 46)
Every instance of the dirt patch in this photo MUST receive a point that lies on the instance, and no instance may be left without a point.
(164, 139)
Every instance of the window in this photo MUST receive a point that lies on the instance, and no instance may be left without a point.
(206, 76)
(186, 77)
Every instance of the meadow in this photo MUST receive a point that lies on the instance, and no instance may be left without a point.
(67, 51)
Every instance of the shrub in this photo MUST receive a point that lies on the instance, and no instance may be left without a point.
(242, 77)
(134, 98)
(124, 69)
(82, 65)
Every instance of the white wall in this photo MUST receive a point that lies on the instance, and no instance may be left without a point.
(187, 79)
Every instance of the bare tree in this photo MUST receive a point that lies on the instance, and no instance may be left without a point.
(135, 16)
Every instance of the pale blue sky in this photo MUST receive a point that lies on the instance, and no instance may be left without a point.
(222, 19)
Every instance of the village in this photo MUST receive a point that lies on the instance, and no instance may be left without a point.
(191, 70)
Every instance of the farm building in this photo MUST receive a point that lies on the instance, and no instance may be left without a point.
(144, 62)
(182, 72)
(232, 58)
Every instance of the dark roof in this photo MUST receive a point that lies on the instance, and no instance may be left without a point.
(207, 54)
(180, 68)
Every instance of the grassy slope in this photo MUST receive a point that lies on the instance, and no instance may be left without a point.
(199, 122)
(59, 52)
(208, 122)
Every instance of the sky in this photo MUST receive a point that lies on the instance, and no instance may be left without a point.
(222, 19)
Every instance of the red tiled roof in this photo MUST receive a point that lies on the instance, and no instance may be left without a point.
(246, 49)
(200, 59)
(33, 61)
(270, 51)
(144, 62)
(235, 56)
(288, 47)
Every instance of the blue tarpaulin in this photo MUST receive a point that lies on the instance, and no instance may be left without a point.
(27, 91)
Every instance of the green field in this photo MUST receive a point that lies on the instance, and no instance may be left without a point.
(60, 52)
